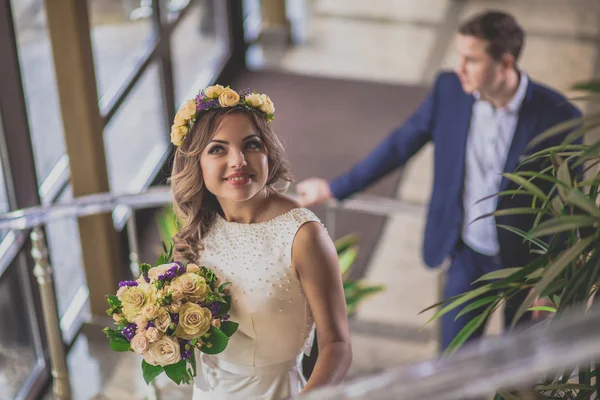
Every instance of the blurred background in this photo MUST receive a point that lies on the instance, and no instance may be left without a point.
(88, 90)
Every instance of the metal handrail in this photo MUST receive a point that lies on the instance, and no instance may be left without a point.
(83, 206)
(157, 196)
(515, 360)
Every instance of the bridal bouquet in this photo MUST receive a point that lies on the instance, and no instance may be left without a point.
(170, 310)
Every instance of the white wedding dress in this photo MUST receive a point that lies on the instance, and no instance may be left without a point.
(262, 360)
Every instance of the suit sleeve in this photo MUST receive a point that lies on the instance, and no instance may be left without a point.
(393, 152)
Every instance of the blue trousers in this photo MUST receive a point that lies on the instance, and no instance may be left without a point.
(466, 267)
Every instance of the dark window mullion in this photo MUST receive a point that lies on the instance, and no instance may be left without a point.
(163, 33)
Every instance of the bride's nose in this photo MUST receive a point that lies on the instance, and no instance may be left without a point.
(237, 160)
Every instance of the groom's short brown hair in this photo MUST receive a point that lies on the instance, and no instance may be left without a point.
(501, 30)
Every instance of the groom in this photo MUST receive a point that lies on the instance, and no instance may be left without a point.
(480, 118)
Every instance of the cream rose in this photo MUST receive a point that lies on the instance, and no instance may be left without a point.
(165, 351)
(153, 334)
(254, 100)
(150, 311)
(162, 321)
(117, 317)
(188, 110)
(267, 105)
(175, 306)
(175, 290)
(121, 292)
(177, 135)
(194, 321)
(192, 286)
(139, 343)
(180, 119)
(149, 359)
(229, 98)
(141, 322)
(192, 268)
(212, 92)
(134, 299)
(216, 323)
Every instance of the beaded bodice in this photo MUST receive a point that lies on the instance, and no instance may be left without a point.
(275, 322)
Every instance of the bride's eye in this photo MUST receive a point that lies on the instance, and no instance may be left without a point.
(216, 150)
(253, 144)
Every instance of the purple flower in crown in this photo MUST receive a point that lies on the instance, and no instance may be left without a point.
(214, 308)
(207, 105)
(245, 92)
(199, 99)
(175, 318)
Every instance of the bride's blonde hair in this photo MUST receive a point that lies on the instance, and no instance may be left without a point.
(196, 207)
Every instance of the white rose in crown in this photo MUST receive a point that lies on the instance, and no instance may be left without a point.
(212, 92)
(188, 110)
(267, 105)
(254, 100)
(177, 135)
(229, 98)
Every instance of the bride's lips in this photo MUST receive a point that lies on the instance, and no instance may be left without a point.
(239, 179)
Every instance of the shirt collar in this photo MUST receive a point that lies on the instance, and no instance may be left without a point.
(515, 103)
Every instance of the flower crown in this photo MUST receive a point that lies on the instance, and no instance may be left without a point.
(214, 97)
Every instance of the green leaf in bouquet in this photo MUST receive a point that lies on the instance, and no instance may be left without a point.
(160, 260)
(150, 371)
(113, 334)
(113, 301)
(192, 361)
(229, 327)
(144, 268)
(176, 371)
(216, 343)
(226, 306)
(223, 286)
(119, 344)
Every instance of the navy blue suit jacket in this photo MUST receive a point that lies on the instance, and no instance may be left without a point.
(444, 118)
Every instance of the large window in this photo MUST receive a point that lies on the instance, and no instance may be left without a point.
(145, 66)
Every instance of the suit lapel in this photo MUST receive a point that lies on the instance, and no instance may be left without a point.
(524, 131)
(463, 124)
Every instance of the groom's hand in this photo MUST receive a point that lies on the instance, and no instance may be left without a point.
(313, 191)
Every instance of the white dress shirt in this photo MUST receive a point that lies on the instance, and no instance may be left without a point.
(491, 132)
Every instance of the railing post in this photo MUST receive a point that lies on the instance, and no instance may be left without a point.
(132, 240)
(43, 272)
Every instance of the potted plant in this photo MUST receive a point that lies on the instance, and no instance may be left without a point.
(565, 239)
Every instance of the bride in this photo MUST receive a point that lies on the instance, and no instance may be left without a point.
(281, 263)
